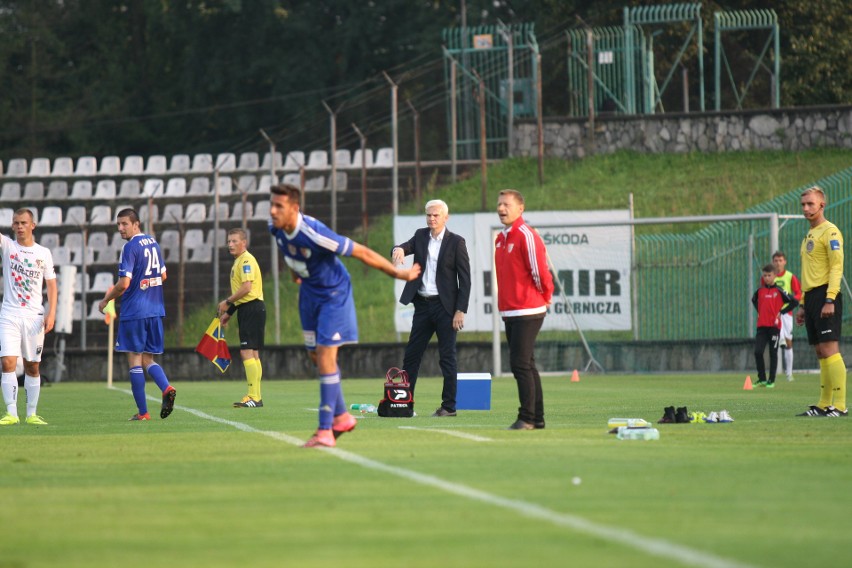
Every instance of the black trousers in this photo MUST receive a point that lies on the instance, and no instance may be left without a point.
(521, 333)
(430, 318)
(766, 336)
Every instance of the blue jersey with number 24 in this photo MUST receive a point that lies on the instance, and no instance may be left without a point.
(142, 261)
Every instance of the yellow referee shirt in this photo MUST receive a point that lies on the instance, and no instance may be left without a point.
(822, 259)
(245, 269)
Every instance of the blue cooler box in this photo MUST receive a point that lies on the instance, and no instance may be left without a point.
(474, 391)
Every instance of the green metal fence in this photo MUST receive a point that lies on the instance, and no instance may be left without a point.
(486, 52)
(609, 62)
(699, 285)
(739, 20)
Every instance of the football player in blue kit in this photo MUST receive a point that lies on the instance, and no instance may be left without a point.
(141, 273)
(326, 305)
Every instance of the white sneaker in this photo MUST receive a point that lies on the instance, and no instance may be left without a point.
(789, 378)
(712, 417)
(724, 416)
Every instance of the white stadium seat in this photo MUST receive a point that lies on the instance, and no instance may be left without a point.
(110, 166)
(384, 158)
(86, 166)
(199, 186)
(51, 216)
(130, 189)
(17, 167)
(175, 187)
(367, 158)
(226, 162)
(105, 189)
(133, 165)
(156, 165)
(101, 215)
(11, 191)
(249, 162)
(268, 163)
(195, 213)
(63, 167)
(202, 163)
(57, 190)
(343, 158)
(40, 167)
(82, 190)
(180, 164)
(295, 160)
(76, 216)
(34, 191)
(317, 160)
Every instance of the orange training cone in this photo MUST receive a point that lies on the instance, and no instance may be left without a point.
(575, 376)
(747, 385)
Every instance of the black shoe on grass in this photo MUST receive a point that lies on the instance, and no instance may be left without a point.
(668, 416)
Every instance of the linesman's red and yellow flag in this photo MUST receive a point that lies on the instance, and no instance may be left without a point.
(214, 347)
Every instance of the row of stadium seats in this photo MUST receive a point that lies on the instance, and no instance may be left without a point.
(82, 190)
(101, 249)
(87, 166)
(79, 215)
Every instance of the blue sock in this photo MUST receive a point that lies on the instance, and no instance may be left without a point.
(159, 376)
(329, 391)
(340, 405)
(137, 385)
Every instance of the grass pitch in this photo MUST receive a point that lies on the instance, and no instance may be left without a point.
(218, 486)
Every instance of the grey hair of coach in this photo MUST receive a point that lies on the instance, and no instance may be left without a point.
(445, 209)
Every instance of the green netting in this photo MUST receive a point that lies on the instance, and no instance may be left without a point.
(699, 285)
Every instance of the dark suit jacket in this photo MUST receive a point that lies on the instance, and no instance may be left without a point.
(453, 272)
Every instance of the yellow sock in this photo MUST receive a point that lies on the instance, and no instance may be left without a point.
(251, 376)
(259, 370)
(824, 384)
(836, 371)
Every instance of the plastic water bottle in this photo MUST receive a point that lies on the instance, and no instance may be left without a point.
(627, 433)
(363, 408)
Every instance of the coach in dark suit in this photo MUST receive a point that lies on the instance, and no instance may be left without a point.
(440, 295)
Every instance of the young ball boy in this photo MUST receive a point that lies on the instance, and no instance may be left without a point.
(769, 300)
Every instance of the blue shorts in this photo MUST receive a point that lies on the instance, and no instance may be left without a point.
(330, 321)
(140, 336)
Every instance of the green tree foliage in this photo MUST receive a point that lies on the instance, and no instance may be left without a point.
(144, 76)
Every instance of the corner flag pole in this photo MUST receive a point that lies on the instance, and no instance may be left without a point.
(110, 348)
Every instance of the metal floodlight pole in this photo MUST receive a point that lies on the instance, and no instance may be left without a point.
(273, 247)
(216, 232)
(181, 275)
(363, 180)
(483, 143)
(416, 117)
(332, 116)
(454, 121)
(539, 118)
(395, 136)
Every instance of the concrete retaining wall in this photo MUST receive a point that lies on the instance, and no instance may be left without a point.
(371, 361)
(779, 129)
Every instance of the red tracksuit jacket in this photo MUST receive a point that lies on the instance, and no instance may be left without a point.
(524, 283)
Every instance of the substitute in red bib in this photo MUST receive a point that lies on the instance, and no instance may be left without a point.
(524, 291)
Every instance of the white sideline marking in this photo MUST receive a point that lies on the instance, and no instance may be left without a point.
(464, 435)
(649, 545)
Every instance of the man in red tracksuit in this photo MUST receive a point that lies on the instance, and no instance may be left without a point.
(769, 300)
(524, 290)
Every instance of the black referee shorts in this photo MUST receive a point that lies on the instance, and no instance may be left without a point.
(820, 329)
(252, 322)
